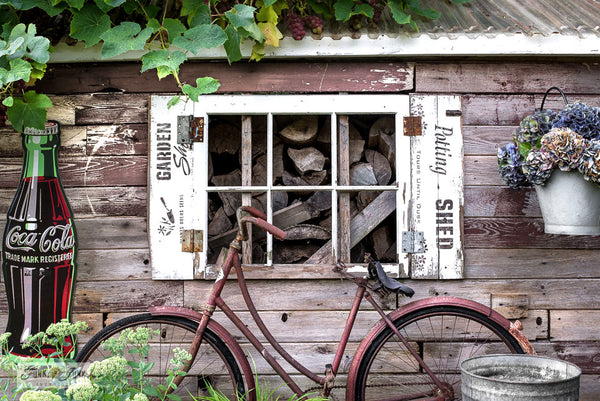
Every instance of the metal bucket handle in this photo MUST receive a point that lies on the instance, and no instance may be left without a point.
(548, 91)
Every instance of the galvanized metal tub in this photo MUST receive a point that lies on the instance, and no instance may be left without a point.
(569, 204)
(519, 378)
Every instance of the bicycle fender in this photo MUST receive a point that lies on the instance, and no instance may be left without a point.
(424, 303)
(222, 333)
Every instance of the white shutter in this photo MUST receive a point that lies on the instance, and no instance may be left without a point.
(429, 189)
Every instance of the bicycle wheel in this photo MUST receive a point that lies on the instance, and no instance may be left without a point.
(214, 365)
(444, 336)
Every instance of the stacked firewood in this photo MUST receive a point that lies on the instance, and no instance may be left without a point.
(302, 158)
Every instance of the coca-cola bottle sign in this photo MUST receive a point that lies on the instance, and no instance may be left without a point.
(40, 244)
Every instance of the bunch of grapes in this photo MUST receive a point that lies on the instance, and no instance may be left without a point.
(294, 22)
(314, 23)
(3, 116)
(377, 10)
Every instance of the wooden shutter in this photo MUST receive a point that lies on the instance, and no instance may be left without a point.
(429, 176)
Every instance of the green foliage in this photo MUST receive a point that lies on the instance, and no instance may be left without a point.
(166, 33)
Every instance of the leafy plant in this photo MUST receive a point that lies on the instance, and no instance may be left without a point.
(168, 33)
(568, 140)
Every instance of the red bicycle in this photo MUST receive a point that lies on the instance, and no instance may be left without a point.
(412, 353)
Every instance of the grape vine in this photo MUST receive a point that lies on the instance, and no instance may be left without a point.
(168, 32)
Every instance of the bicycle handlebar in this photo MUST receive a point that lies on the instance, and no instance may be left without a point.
(257, 218)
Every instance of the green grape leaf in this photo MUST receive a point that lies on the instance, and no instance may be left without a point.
(397, 8)
(415, 7)
(19, 69)
(164, 61)
(204, 86)
(173, 101)
(37, 71)
(102, 5)
(363, 9)
(197, 12)
(258, 52)
(124, 37)
(343, 9)
(320, 8)
(269, 3)
(254, 32)
(50, 9)
(272, 34)
(267, 14)
(174, 28)
(34, 47)
(241, 15)
(10, 47)
(232, 44)
(200, 37)
(29, 111)
(114, 3)
(89, 24)
(8, 102)
(76, 4)
(154, 24)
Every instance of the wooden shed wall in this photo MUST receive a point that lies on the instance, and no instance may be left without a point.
(550, 282)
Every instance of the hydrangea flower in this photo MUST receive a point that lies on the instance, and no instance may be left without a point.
(82, 390)
(510, 163)
(581, 118)
(590, 163)
(138, 397)
(533, 127)
(564, 147)
(538, 167)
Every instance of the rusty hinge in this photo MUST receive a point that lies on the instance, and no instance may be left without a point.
(413, 242)
(190, 129)
(192, 241)
(412, 126)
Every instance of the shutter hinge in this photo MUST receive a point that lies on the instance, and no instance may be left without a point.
(412, 126)
(192, 241)
(413, 242)
(190, 129)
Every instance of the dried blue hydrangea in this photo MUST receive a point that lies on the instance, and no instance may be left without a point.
(589, 165)
(533, 127)
(510, 166)
(538, 167)
(564, 147)
(581, 118)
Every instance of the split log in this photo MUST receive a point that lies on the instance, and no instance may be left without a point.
(224, 138)
(307, 231)
(382, 126)
(259, 171)
(361, 225)
(279, 200)
(293, 252)
(231, 201)
(313, 178)
(301, 132)
(324, 137)
(357, 147)
(219, 223)
(294, 214)
(387, 147)
(381, 166)
(382, 240)
(365, 197)
(307, 160)
(362, 174)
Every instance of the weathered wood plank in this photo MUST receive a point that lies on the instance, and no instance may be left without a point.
(90, 171)
(95, 201)
(111, 107)
(344, 217)
(569, 326)
(113, 265)
(583, 354)
(488, 263)
(485, 140)
(520, 233)
(482, 170)
(507, 77)
(335, 295)
(72, 138)
(496, 109)
(123, 139)
(374, 76)
(488, 201)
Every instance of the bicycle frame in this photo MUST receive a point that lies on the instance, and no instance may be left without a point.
(215, 300)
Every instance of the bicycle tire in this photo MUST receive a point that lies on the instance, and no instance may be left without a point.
(214, 364)
(445, 335)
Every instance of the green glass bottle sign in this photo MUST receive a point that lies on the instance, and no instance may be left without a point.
(40, 244)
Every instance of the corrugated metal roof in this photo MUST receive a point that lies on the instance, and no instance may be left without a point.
(492, 17)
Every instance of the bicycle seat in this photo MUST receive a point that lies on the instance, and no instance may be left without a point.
(377, 273)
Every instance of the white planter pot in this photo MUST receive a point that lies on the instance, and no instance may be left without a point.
(569, 204)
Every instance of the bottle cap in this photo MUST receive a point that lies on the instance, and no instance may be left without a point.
(51, 129)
